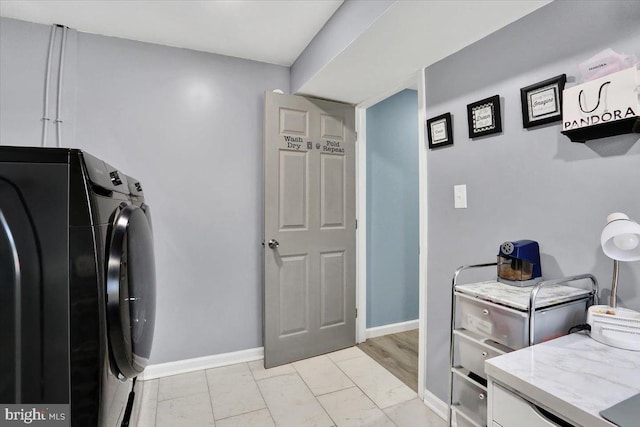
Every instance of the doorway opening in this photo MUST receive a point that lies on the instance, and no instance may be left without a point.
(391, 215)
(397, 353)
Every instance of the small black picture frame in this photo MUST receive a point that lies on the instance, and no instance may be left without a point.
(484, 117)
(439, 131)
(542, 102)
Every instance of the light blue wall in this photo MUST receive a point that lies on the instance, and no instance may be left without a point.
(392, 210)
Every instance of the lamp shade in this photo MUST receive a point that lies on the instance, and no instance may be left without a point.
(621, 238)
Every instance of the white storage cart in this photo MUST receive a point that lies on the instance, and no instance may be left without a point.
(492, 318)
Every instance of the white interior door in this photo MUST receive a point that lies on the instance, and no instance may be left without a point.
(309, 207)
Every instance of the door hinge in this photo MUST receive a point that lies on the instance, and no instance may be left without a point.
(356, 223)
(356, 136)
(356, 312)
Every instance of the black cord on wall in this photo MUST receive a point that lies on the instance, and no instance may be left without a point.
(579, 328)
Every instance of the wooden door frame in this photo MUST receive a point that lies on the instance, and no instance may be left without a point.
(361, 215)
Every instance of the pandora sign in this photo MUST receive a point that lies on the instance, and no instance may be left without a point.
(607, 99)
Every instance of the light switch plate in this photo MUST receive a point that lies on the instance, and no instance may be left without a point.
(460, 196)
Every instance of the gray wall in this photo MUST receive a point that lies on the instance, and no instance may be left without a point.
(351, 19)
(526, 184)
(23, 57)
(392, 210)
(189, 126)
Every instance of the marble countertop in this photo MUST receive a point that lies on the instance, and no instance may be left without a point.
(518, 297)
(573, 375)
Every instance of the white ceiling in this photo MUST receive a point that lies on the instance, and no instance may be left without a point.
(263, 30)
(409, 36)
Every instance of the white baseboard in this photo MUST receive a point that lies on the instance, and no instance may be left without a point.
(435, 404)
(393, 328)
(190, 365)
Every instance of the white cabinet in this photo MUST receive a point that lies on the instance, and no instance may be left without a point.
(571, 379)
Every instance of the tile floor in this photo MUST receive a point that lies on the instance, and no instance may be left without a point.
(345, 388)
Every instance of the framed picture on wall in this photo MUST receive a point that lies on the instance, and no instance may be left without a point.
(484, 117)
(439, 131)
(542, 102)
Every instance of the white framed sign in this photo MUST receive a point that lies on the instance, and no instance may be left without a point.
(484, 117)
(439, 131)
(542, 102)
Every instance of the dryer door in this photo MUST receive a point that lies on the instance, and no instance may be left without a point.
(34, 284)
(10, 370)
(131, 290)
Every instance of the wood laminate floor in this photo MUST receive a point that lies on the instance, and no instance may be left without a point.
(398, 353)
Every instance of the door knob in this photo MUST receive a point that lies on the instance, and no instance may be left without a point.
(273, 244)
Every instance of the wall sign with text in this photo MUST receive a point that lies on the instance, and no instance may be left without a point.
(542, 102)
(331, 147)
(484, 117)
(439, 131)
(295, 143)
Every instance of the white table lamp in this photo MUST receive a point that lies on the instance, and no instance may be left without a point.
(617, 327)
(621, 242)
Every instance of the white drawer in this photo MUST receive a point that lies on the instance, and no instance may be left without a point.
(504, 325)
(470, 397)
(459, 420)
(510, 327)
(473, 349)
(510, 410)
